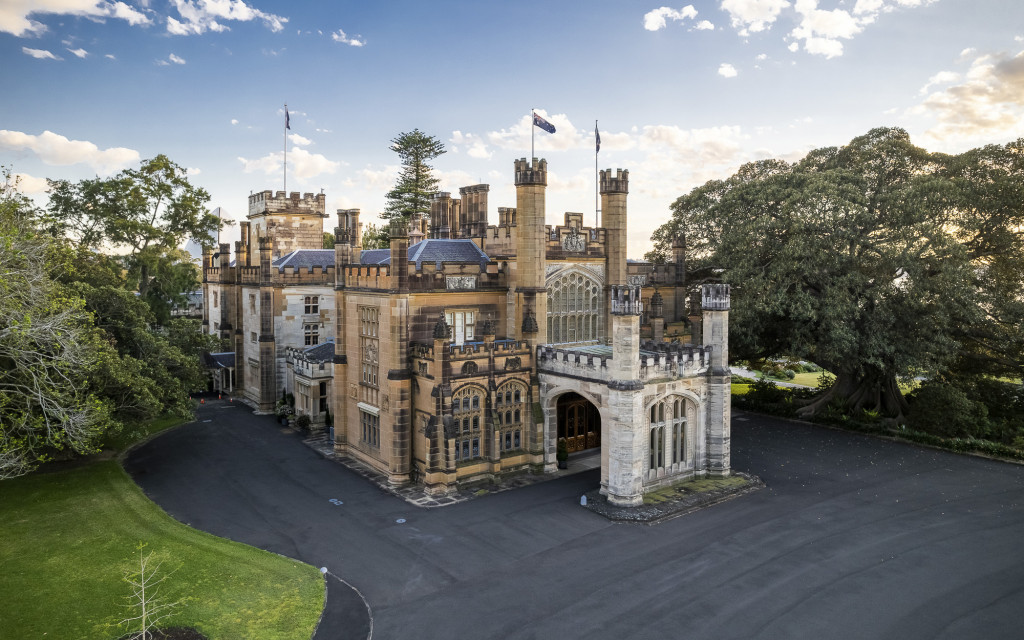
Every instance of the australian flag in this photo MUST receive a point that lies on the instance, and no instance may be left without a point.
(543, 124)
(287, 119)
(597, 134)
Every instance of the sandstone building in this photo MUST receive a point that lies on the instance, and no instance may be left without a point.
(467, 349)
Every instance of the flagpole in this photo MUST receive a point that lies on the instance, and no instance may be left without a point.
(597, 200)
(533, 112)
(286, 149)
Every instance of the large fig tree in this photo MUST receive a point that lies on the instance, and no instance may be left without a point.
(878, 260)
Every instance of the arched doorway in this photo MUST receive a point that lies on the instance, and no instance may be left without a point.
(578, 422)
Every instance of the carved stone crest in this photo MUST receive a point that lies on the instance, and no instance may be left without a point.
(460, 282)
(574, 241)
(513, 363)
(637, 281)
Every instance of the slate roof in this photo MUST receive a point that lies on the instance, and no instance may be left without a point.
(431, 250)
(320, 353)
(375, 256)
(306, 258)
(224, 360)
(443, 250)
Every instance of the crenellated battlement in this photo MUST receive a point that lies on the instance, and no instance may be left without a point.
(617, 183)
(268, 203)
(715, 297)
(531, 174)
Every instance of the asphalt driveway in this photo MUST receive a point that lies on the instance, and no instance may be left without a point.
(854, 537)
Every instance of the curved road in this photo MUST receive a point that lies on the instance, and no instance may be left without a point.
(854, 537)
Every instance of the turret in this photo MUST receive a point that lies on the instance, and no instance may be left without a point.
(614, 187)
(531, 181)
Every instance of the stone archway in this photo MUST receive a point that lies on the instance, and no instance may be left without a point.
(578, 421)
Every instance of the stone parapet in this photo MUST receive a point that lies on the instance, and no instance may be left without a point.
(614, 183)
(535, 173)
(267, 202)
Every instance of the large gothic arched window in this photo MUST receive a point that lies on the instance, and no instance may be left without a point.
(574, 308)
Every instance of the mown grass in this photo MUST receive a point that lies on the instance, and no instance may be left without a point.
(696, 485)
(123, 440)
(69, 536)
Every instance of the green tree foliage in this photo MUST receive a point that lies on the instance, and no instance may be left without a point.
(47, 350)
(375, 237)
(328, 240)
(878, 260)
(143, 215)
(416, 182)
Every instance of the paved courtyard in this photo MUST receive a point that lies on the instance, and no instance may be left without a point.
(853, 537)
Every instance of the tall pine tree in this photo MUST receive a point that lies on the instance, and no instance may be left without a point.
(416, 182)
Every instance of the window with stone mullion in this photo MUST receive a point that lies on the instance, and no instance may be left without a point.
(468, 414)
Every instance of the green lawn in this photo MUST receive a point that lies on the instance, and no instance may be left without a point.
(67, 537)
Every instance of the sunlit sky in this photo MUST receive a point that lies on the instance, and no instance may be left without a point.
(683, 93)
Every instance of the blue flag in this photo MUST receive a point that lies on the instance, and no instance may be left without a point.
(287, 119)
(543, 124)
(597, 134)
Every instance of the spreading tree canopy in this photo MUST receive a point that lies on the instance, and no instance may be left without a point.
(878, 260)
(416, 182)
(143, 215)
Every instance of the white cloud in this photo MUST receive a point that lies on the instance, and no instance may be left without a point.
(753, 15)
(299, 140)
(726, 70)
(344, 39)
(200, 16)
(473, 145)
(301, 164)
(517, 136)
(234, 121)
(81, 53)
(794, 46)
(942, 77)
(762, 56)
(988, 104)
(15, 14)
(175, 59)
(704, 25)
(820, 30)
(193, 171)
(655, 20)
(31, 185)
(110, 56)
(41, 54)
(54, 149)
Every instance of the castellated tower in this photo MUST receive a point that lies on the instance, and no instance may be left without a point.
(626, 442)
(715, 303)
(613, 188)
(530, 320)
(293, 221)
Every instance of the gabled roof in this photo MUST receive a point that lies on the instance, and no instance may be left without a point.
(431, 250)
(320, 353)
(375, 256)
(306, 258)
(443, 250)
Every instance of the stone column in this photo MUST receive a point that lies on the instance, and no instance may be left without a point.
(627, 434)
(715, 303)
(268, 342)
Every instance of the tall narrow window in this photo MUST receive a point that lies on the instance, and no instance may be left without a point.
(369, 343)
(467, 401)
(511, 398)
(312, 334)
(370, 428)
(312, 305)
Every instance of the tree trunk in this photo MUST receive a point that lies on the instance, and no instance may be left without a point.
(854, 394)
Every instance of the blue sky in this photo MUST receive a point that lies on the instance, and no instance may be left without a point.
(683, 93)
